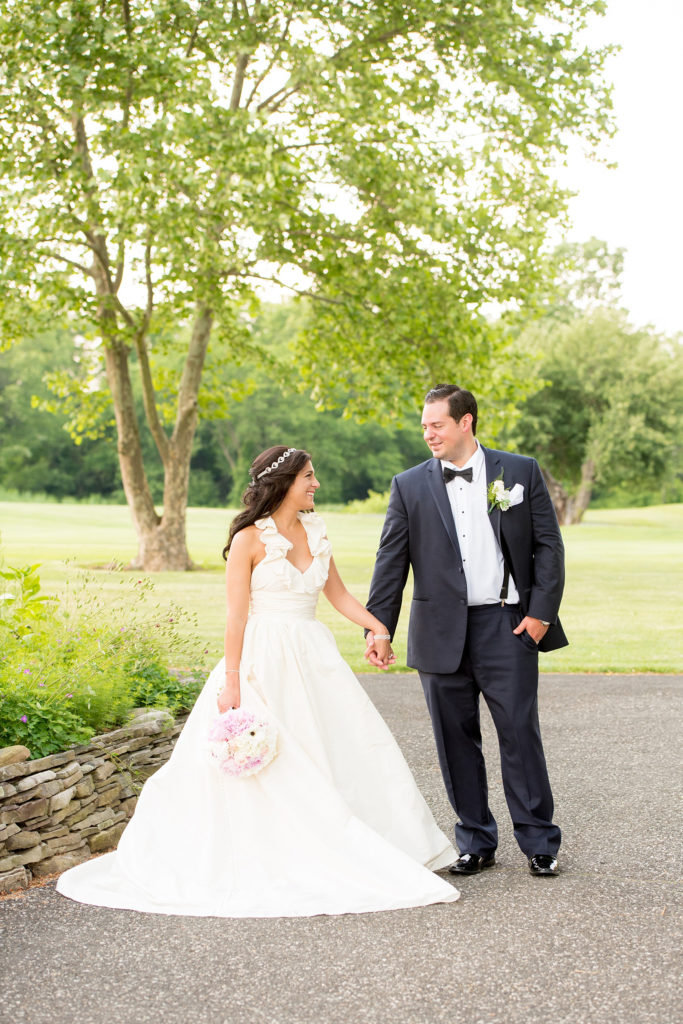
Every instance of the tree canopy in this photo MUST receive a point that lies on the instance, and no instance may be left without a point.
(162, 159)
(609, 413)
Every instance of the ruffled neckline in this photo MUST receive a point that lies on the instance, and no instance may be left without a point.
(278, 546)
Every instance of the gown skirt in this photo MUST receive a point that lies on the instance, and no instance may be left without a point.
(335, 824)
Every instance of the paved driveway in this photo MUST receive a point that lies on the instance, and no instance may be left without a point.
(598, 944)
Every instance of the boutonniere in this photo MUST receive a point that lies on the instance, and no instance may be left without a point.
(500, 497)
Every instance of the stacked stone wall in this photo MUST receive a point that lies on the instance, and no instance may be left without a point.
(57, 811)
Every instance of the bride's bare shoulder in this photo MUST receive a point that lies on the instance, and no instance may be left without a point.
(246, 543)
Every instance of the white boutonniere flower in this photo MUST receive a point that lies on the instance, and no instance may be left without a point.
(500, 497)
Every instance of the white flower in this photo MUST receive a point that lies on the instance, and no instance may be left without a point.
(498, 495)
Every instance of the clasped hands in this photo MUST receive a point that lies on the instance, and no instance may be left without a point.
(378, 652)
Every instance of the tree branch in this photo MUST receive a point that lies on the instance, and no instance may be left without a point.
(94, 234)
(276, 53)
(72, 263)
(238, 83)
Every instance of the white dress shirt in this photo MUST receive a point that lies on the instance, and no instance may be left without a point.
(482, 558)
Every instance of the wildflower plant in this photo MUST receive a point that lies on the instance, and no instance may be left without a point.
(76, 666)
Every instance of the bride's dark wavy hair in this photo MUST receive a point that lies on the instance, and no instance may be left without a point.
(262, 497)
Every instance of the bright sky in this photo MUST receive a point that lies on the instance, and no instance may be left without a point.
(639, 206)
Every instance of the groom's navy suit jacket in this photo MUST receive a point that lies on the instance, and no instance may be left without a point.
(419, 532)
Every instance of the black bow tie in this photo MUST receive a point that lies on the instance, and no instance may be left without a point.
(450, 474)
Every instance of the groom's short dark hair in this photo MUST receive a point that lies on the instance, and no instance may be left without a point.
(460, 401)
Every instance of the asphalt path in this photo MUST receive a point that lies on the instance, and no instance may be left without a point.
(600, 943)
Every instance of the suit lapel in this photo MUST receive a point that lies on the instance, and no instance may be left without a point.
(493, 468)
(438, 489)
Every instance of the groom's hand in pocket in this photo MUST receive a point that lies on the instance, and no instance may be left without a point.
(534, 627)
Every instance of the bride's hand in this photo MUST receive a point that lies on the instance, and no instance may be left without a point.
(229, 696)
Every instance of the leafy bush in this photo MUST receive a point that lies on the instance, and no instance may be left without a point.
(72, 668)
(373, 503)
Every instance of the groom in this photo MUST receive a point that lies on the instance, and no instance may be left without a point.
(479, 531)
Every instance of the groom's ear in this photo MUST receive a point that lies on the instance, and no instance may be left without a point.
(465, 423)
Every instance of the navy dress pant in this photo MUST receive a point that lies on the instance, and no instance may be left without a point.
(504, 668)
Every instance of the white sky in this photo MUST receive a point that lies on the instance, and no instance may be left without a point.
(639, 205)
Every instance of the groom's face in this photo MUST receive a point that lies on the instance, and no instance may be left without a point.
(447, 438)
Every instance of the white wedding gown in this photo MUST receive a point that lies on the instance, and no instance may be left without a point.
(335, 824)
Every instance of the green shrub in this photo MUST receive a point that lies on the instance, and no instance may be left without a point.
(76, 667)
(374, 502)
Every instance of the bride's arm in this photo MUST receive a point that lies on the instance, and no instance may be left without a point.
(350, 607)
(237, 579)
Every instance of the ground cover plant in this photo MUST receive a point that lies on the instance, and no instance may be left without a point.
(77, 664)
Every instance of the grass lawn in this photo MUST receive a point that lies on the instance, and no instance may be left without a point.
(622, 607)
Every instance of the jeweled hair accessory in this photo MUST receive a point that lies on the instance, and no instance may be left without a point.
(278, 462)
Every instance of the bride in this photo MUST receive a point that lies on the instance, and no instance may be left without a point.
(335, 824)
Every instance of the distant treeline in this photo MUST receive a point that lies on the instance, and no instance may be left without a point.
(37, 454)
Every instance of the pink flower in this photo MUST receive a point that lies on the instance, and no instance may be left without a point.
(69, 696)
(23, 718)
(27, 671)
(41, 684)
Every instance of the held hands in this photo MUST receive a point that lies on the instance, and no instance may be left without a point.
(534, 628)
(378, 652)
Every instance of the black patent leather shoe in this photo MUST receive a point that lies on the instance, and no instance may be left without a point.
(543, 866)
(470, 864)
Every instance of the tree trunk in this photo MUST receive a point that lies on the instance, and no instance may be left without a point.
(558, 496)
(162, 545)
(583, 495)
(570, 508)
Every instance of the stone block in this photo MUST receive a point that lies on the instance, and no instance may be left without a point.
(13, 755)
(61, 861)
(17, 878)
(23, 812)
(15, 771)
(62, 800)
(30, 781)
(23, 840)
(109, 796)
(107, 838)
(62, 844)
(7, 790)
(53, 833)
(103, 771)
(8, 830)
(22, 798)
(102, 818)
(68, 769)
(48, 788)
(154, 715)
(40, 764)
(21, 857)
(85, 807)
(140, 757)
(85, 787)
(52, 820)
(121, 752)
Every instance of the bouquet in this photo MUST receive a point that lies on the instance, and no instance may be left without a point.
(241, 742)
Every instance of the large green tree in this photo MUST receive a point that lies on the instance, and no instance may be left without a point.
(160, 158)
(609, 412)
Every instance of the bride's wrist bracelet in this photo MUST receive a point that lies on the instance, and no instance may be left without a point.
(230, 671)
(382, 636)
